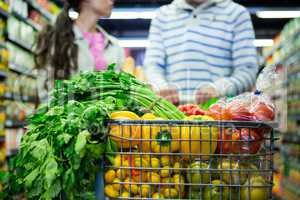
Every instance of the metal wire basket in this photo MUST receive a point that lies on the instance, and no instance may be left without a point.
(191, 160)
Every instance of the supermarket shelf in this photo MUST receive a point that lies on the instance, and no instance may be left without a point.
(292, 58)
(2, 74)
(40, 9)
(294, 117)
(291, 187)
(20, 43)
(13, 97)
(2, 138)
(27, 21)
(282, 44)
(3, 13)
(21, 69)
(274, 49)
(9, 124)
(292, 138)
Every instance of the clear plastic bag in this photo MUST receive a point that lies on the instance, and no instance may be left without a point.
(254, 106)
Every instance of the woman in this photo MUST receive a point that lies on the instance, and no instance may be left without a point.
(74, 45)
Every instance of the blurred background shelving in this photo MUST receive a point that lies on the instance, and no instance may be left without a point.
(20, 20)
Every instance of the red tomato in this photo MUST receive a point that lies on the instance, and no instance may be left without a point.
(263, 112)
(182, 108)
(239, 141)
(198, 111)
(239, 110)
(191, 109)
(218, 112)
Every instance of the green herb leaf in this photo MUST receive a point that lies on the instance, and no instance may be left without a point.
(69, 179)
(54, 190)
(64, 138)
(81, 141)
(51, 171)
(31, 177)
(40, 149)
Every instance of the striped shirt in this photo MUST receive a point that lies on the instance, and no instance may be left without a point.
(193, 47)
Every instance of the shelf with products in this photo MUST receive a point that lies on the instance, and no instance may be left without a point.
(20, 43)
(18, 28)
(45, 8)
(285, 44)
(291, 138)
(20, 34)
(286, 53)
(27, 21)
(20, 69)
(16, 97)
(291, 164)
(293, 190)
(13, 139)
(20, 61)
(294, 69)
(14, 124)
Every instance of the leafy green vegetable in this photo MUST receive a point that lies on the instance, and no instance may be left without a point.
(60, 153)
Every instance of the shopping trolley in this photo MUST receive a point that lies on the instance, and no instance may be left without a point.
(206, 160)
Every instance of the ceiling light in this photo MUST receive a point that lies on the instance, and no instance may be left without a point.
(133, 13)
(134, 43)
(263, 42)
(278, 14)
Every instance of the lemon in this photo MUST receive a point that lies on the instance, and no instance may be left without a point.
(165, 161)
(125, 163)
(141, 162)
(131, 187)
(167, 180)
(157, 196)
(179, 180)
(109, 176)
(154, 164)
(116, 184)
(153, 177)
(176, 168)
(121, 174)
(145, 190)
(110, 192)
(165, 172)
(170, 193)
(119, 161)
(125, 195)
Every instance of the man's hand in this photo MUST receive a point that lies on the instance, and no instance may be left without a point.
(170, 94)
(205, 93)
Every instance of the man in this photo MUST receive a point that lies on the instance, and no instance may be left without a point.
(200, 49)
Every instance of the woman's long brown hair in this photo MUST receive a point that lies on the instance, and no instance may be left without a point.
(55, 46)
